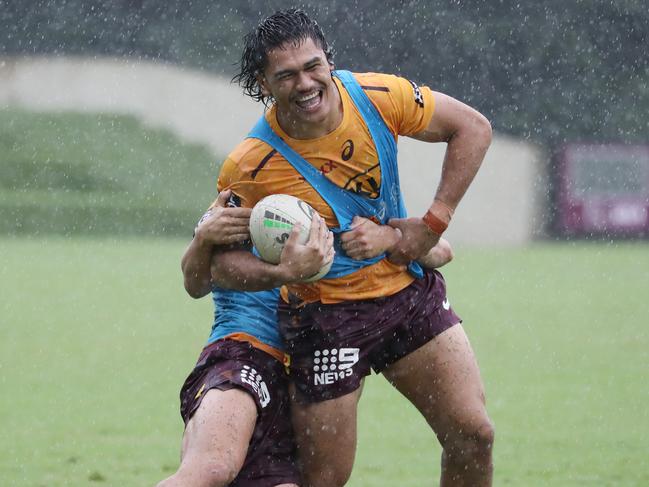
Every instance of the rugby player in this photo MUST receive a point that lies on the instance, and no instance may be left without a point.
(235, 401)
(329, 137)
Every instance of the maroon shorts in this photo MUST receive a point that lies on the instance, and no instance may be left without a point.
(226, 364)
(333, 346)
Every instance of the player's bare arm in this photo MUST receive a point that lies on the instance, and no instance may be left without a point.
(241, 270)
(220, 226)
(440, 255)
(468, 135)
(367, 239)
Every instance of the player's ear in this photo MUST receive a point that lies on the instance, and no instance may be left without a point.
(263, 85)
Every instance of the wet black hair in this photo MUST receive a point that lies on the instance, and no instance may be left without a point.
(292, 25)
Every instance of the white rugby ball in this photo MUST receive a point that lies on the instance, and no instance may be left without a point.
(271, 222)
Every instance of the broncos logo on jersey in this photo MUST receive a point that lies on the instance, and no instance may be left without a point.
(419, 98)
(365, 183)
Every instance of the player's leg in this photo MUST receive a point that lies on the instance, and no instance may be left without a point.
(328, 361)
(216, 439)
(326, 436)
(442, 379)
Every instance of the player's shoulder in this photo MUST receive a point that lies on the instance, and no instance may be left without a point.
(380, 82)
(406, 107)
(248, 155)
(387, 91)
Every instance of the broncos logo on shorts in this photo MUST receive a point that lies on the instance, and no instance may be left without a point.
(251, 377)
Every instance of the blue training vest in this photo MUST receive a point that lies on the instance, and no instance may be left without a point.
(344, 203)
(254, 313)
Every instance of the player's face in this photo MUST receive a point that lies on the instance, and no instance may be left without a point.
(298, 77)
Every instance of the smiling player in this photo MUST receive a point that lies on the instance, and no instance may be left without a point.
(329, 138)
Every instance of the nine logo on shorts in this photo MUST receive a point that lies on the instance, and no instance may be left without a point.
(332, 365)
(251, 377)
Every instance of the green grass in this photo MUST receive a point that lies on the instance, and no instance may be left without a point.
(72, 173)
(561, 336)
(96, 337)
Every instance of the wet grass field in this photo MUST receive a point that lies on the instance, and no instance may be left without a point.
(97, 335)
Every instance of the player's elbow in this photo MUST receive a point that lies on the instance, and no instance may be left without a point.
(196, 294)
(444, 252)
(197, 290)
(447, 252)
(483, 132)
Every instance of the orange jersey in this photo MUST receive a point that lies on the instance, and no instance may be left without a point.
(348, 158)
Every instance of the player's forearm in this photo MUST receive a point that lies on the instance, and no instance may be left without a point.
(464, 155)
(242, 271)
(440, 255)
(195, 265)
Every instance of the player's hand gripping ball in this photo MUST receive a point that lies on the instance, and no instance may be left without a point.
(271, 222)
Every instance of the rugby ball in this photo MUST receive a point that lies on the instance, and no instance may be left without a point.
(271, 222)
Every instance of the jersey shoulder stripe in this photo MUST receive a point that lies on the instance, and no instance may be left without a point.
(375, 88)
(263, 162)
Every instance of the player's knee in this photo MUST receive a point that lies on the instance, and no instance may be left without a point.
(334, 474)
(327, 477)
(205, 474)
(485, 437)
(471, 443)
(219, 475)
(341, 477)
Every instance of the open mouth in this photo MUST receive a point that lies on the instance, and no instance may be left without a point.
(310, 101)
